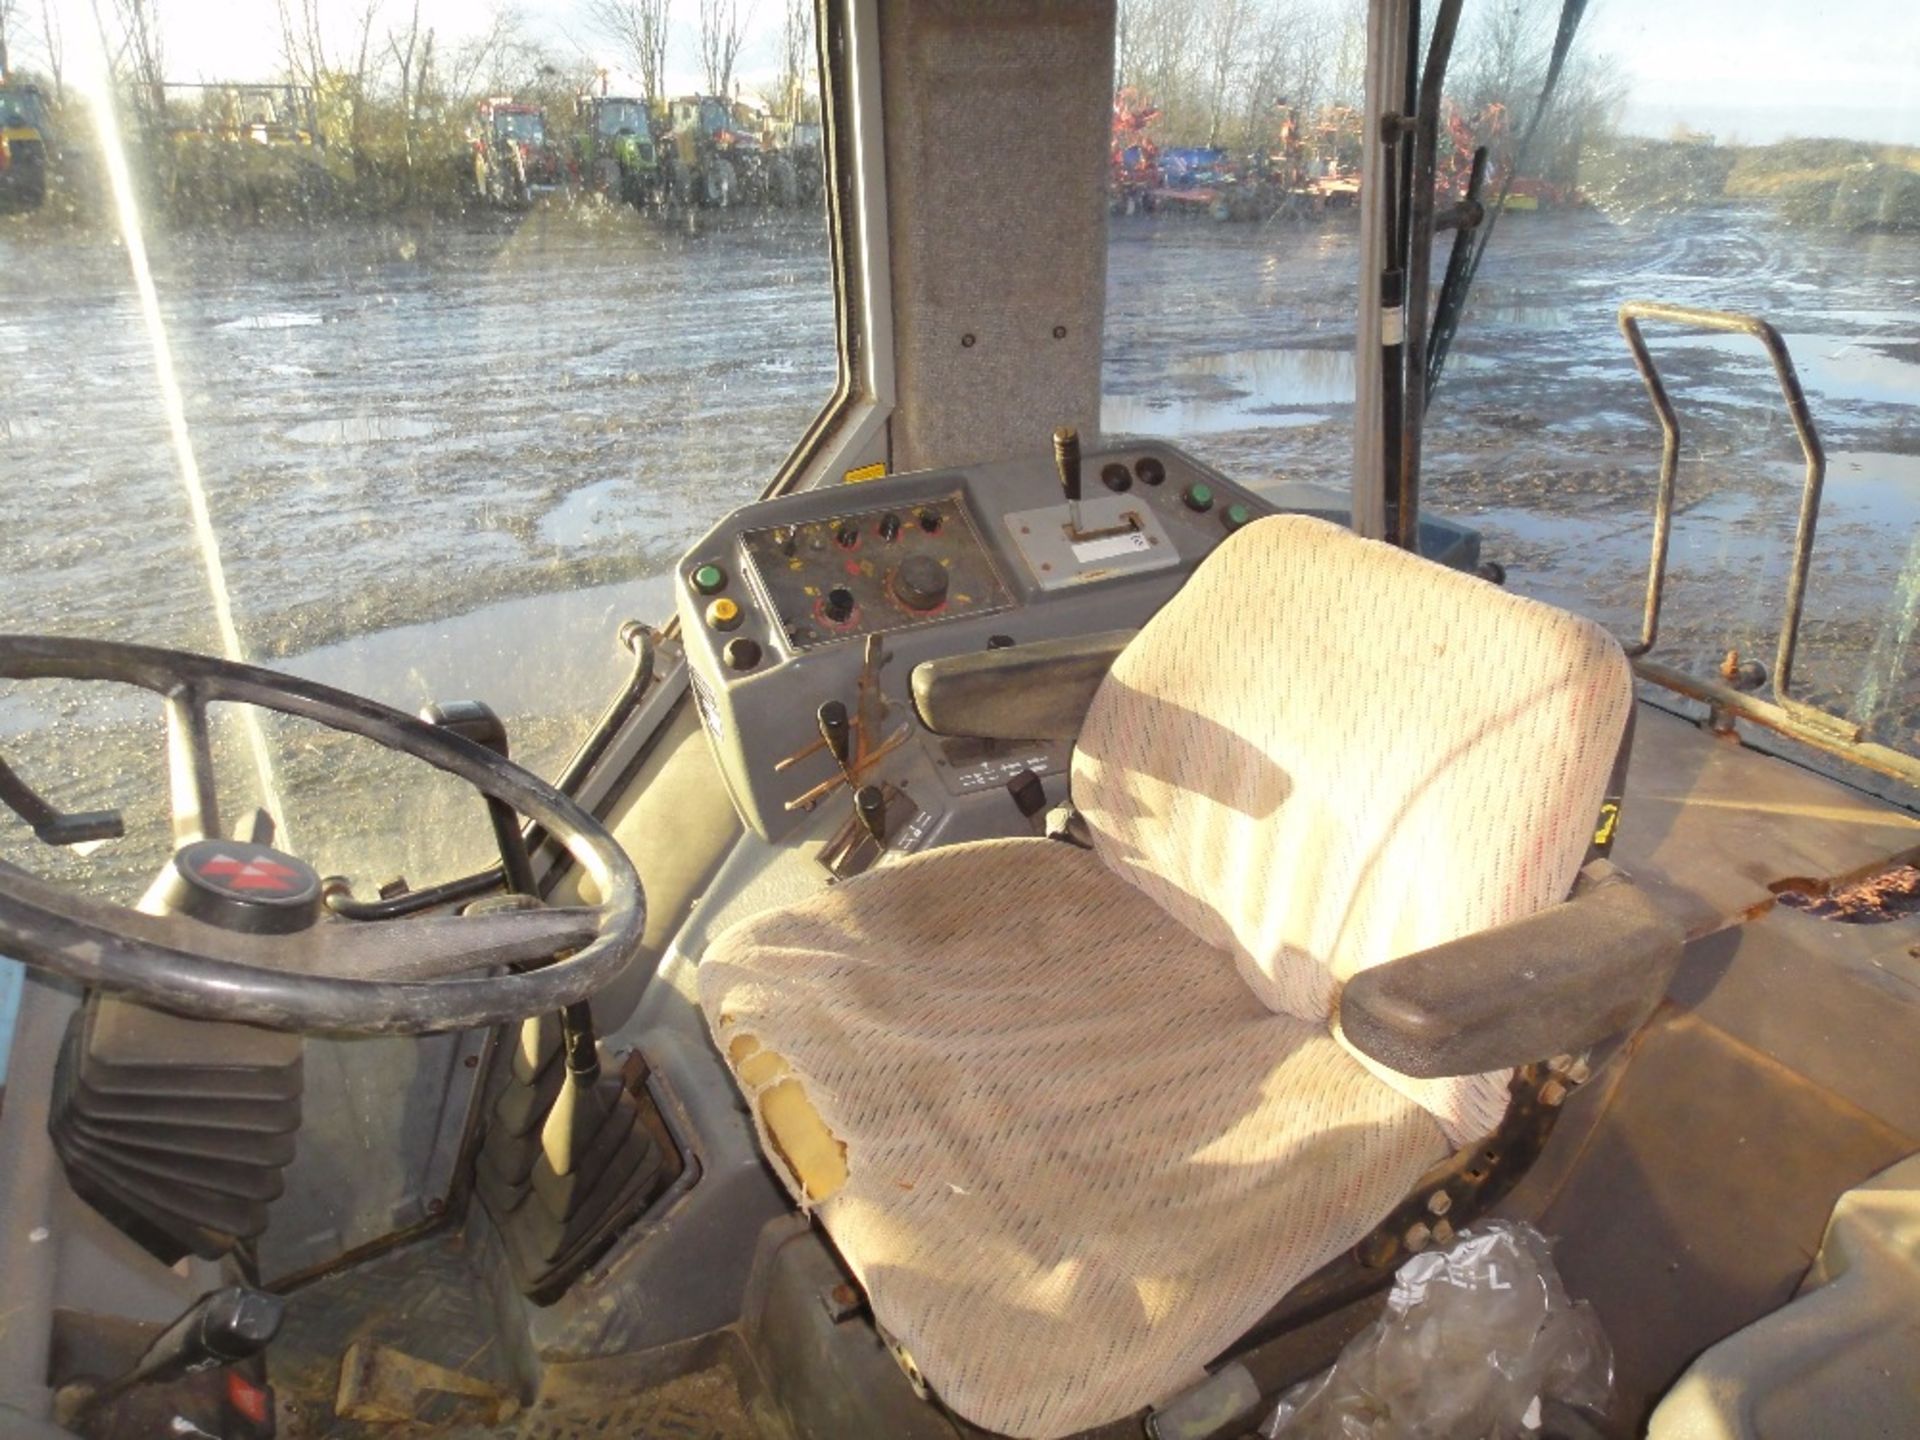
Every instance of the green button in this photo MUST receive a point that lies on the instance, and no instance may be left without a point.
(709, 579)
(1234, 516)
(1199, 497)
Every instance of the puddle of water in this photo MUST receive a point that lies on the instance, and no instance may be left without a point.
(1873, 486)
(20, 427)
(358, 430)
(587, 514)
(1530, 317)
(1238, 390)
(272, 320)
(1834, 367)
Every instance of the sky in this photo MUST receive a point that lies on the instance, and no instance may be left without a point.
(1764, 70)
(1747, 70)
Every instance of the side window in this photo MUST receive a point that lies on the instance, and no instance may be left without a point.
(349, 339)
(1660, 174)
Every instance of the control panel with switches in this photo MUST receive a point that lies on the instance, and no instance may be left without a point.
(873, 570)
(805, 615)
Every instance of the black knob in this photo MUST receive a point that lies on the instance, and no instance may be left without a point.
(834, 730)
(741, 653)
(889, 527)
(783, 537)
(871, 806)
(847, 536)
(838, 606)
(1116, 476)
(920, 583)
(1066, 459)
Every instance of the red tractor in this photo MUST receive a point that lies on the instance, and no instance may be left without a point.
(514, 161)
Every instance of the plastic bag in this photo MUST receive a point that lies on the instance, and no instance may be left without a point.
(1474, 1339)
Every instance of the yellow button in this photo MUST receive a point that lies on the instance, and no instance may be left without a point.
(723, 614)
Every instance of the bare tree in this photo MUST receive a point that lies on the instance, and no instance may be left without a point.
(723, 29)
(796, 59)
(9, 12)
(1224, 28)
(303, 47)
(1157, 59)
(639, 29)
(138, 59)
(55, 39)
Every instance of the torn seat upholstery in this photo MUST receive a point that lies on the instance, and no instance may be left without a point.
(1077, 1119)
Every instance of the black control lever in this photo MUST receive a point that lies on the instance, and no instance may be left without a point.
(54, 827)
(1066, 459)
(475, 720)
(837, 732)
(870, 804)
(222, 1327)
(225, 1327)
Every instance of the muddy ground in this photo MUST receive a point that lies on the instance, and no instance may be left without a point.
(450, 459)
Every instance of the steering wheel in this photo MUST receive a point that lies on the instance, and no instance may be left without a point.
(245, 936)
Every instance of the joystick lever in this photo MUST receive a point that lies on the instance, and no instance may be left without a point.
(837, 733)
(1066, 459)
(870, 805)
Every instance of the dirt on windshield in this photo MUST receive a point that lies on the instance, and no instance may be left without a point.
(446, 460)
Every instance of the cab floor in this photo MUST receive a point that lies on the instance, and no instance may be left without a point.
(428, 1302)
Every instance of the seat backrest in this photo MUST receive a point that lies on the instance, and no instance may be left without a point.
(1325, 753)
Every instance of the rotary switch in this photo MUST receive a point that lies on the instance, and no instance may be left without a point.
(920, 583)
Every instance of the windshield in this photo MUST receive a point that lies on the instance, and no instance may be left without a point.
(389, 410)
(20, 108)
(623, 115)
(1762, 158)
(520, 126)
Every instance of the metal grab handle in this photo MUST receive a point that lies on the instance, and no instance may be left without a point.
(1631, 314)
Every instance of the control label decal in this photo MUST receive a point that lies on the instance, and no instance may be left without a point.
(994, 773)
(1108, 546)
(914, 834)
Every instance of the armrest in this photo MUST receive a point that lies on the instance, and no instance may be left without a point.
(1038, 691)
(1552, 984)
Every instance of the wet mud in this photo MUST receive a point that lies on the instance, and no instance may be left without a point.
(448, 461)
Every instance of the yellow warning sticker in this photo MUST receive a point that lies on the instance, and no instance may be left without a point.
(866, 472)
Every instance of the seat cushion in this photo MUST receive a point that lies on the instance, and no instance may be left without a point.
(1063, 1146)
(1325, 753)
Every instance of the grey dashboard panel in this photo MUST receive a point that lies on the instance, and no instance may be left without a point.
(770, 640)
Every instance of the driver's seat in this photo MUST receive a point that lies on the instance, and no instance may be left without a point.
(1076, 1119)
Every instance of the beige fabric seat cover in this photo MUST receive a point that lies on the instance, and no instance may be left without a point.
(1093, 1116)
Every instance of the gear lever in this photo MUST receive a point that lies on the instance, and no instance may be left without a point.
(870, 805)
(836, 731)
(1066, 459)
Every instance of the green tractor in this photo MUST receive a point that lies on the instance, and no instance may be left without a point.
(23, 148)
(716, 157)
(617, 154)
